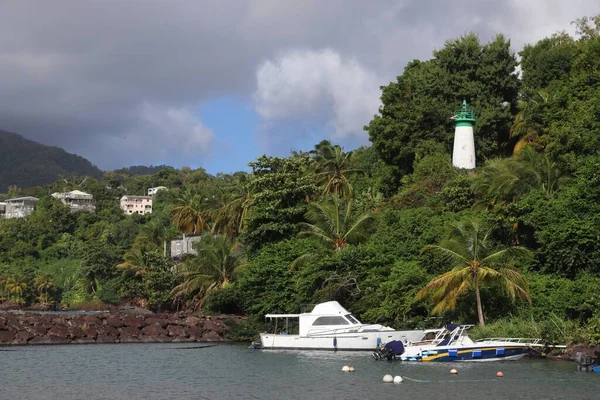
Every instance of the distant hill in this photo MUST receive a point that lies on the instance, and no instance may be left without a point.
(141, 169)
(26, 163)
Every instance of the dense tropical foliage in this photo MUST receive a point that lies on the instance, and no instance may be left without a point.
(360, 220)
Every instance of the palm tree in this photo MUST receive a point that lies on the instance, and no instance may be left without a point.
(508, 179)
(332, 169)
(230, 217)
(188, 214)
(140, 258)
(334, 223)
(523, 128)
(43, 285)
(218, 262)
(468, 247)
(152, 232)
(15, 290)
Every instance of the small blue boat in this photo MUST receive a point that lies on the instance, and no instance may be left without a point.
(451, 343)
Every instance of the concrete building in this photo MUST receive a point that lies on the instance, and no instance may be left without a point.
(19, 207)
(77, 200)
(152, 191)
(136, 204)
(184, 245)
(2, 209)
(463, 154)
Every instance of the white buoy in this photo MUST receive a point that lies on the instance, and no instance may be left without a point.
(398, 379)
(387, 378)
(345, 368)
(453, 371)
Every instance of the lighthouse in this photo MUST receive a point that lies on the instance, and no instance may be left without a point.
(463, 155)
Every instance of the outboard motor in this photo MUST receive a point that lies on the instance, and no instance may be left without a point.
(391, 350)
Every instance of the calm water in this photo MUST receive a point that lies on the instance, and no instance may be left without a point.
(176, 371)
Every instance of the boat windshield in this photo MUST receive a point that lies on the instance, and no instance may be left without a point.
(352, 319)
(333, 320)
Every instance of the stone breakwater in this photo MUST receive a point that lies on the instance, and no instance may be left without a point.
(33, 329)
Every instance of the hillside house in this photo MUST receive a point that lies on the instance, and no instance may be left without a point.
(184, 245)
(77, 200)
(19, 207)
(136, 204)
(152, 191)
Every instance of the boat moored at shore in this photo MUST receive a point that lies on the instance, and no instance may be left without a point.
(329, 326)
(452, 343)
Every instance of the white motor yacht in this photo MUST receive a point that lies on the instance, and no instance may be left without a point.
(329, 326)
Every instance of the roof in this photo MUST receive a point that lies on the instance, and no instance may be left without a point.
(136, 197)
(327, 308)
(74, 194)
(21, 199)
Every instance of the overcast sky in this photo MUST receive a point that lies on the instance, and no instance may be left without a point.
(215, 84)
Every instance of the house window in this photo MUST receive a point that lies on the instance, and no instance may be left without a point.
(178, 248)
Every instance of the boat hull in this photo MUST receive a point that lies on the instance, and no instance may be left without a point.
(343, 341)
(473, 354)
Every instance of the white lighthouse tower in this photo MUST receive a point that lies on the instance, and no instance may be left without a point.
(463, 155)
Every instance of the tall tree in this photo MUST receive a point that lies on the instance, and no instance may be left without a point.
(231, 216)
(417, 107)
(332, 167)
(476, 262)
(218, 262)
(189, 215)
(281, 188)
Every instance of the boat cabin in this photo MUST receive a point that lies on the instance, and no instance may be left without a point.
(323, 318)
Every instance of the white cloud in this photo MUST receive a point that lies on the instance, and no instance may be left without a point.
(162, 132)
(303, 83)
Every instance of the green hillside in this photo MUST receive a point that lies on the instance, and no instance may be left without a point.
(25, 163)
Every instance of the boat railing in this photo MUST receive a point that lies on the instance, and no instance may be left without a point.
(528, 341)
(348, 329)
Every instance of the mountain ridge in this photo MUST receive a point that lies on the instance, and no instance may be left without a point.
(27, 163)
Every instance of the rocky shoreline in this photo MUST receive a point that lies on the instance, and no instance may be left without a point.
(125, 326)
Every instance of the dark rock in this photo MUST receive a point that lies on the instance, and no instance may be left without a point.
(214, 326)
(40, 340)
(108, 331)
(58, 331)
(23, 337)
(156, 321)
(91, 320)
(129, 332)
(193, 321)
(211, 336)
(59, 321)
(38, 330)
(176, 330)
(114, 322)
(6, 337)
(49, 340)
(194, 332)
(154, 330)
(134, 310)
(182, 339)
(156, 339)
(130, 320)
(76, 332)
(106, 339)
(83, 341)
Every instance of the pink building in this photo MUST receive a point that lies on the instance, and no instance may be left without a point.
(136, 204)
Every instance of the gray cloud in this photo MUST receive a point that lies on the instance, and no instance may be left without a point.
(114, 78)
